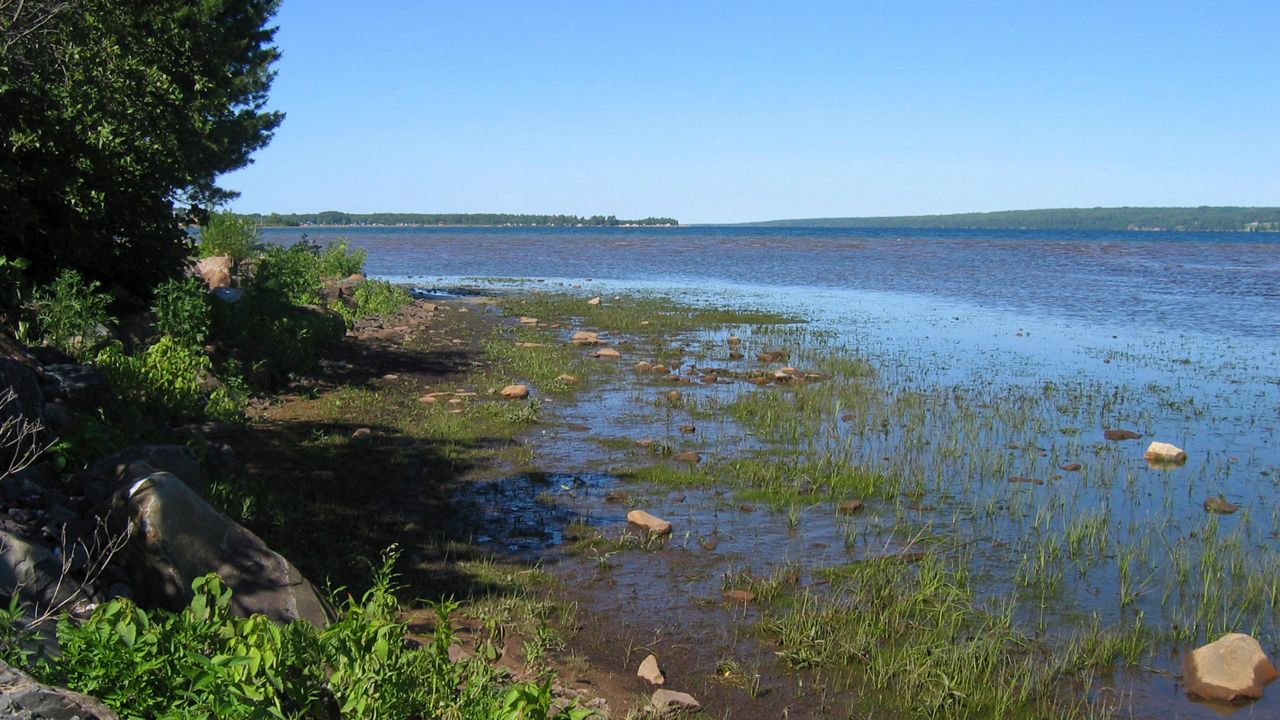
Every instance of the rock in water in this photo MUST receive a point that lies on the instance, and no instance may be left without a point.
(672, 701)
(1234, 667)
(1162, 453)
(655, 525)
(606, 354)
(1220, 505)
(585, 337)
(515, 392)
(650, 672)
(1116, 434)
(22, 698)
(178, 537)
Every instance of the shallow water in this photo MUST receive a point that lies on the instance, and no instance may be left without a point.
(1173, 334)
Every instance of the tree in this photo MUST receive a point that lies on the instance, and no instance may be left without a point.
(116, 118)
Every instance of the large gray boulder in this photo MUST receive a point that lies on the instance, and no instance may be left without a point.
(32, 570)
(178, 537)
(22, 698)
(81, 386)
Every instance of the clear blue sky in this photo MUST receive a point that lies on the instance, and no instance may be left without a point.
(734, 111)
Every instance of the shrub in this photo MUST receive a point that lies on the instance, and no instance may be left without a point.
(374, 297)
(182, 311)
(337, 261)
(204, 662)
(167, 380)
(71, 314)
(290, 273)
(228, 234)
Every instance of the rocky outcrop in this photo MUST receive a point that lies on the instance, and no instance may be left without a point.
(215, 271)
(178, 537)
(22, 698)
(1234, 667)
(30, 569)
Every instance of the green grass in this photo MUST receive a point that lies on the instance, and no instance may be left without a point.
(634, 314)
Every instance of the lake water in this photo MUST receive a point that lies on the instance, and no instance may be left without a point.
(1173, 333)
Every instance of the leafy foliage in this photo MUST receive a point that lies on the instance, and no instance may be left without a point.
(112, 114)
(181, 307)
(374, 297)
(71, 313)
(205, 662)
(226, 233)
(168, 379)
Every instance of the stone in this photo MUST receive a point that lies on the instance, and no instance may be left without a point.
(32, 569)
(1233, 667)
(849, 507)
(672, 701)
(650, 672)
(1117, 434)
(1025, 480)
(734, 341)
(739, 596)
(528, 321)
(1162, 453)
(655, 525)
(177, 537)
(643, 366)
(127, 465)
(1220, 506)
(645, 443)
(772, 356)
(361, 433)
(28, 402)
(567, 379)
(215, 271)
(1071, 467)
(515, 392)
(22, 698)
(606, 354)
(688, 429)
(594, 301)
(80, 385)
(673, 396)
(585, 337)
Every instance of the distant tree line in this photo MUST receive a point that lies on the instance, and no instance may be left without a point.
(1248, 219)
(334, 217)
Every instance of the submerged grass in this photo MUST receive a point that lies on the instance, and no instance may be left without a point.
(635, 314)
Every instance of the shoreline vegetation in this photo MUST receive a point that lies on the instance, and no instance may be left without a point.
(335, 218)
(1150, 219)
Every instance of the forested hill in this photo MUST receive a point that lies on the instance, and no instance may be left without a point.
(334, 217)
(1120, 218)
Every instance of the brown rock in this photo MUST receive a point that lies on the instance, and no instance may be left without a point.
(361, 433)
(849, 507)
(1026, 480)
(643, 367)
(1233, 667)
(1116, 434)
(734, 341)
(1071, 467)
(215, 271)
(688, 429)
(1220, 505)
(655, 525)
(671, 701)
(515, 392)
(645, 443)
(584, 337)
(606, 354)
(567, 379)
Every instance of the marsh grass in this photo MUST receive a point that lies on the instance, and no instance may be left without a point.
(648, 315)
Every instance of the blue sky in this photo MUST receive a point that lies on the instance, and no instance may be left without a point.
(735, 111)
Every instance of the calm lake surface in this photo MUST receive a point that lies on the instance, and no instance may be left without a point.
(1173, 334)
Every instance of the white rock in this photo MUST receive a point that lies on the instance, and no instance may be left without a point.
(1161, 452)
(594, 301)
(1233, 667)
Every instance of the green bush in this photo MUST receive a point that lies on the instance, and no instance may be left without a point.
(182, 312)
(267, 327)
(291, 273)
(337, 261)
(228, 234)
(204, 662)
(374, 297)
(167, 380)
(71, 314)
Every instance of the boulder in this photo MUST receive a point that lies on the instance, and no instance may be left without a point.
(81, 386)
(138, 461)
(1233, 667)
(654, 525)
(643, 366)
(178, 537)
(28, 401)
(671, 701)
(649, 671)
(1118, 434)
(215, 271)
(515, 392)
(32, 569)
(22, 698)
(1162, 453)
